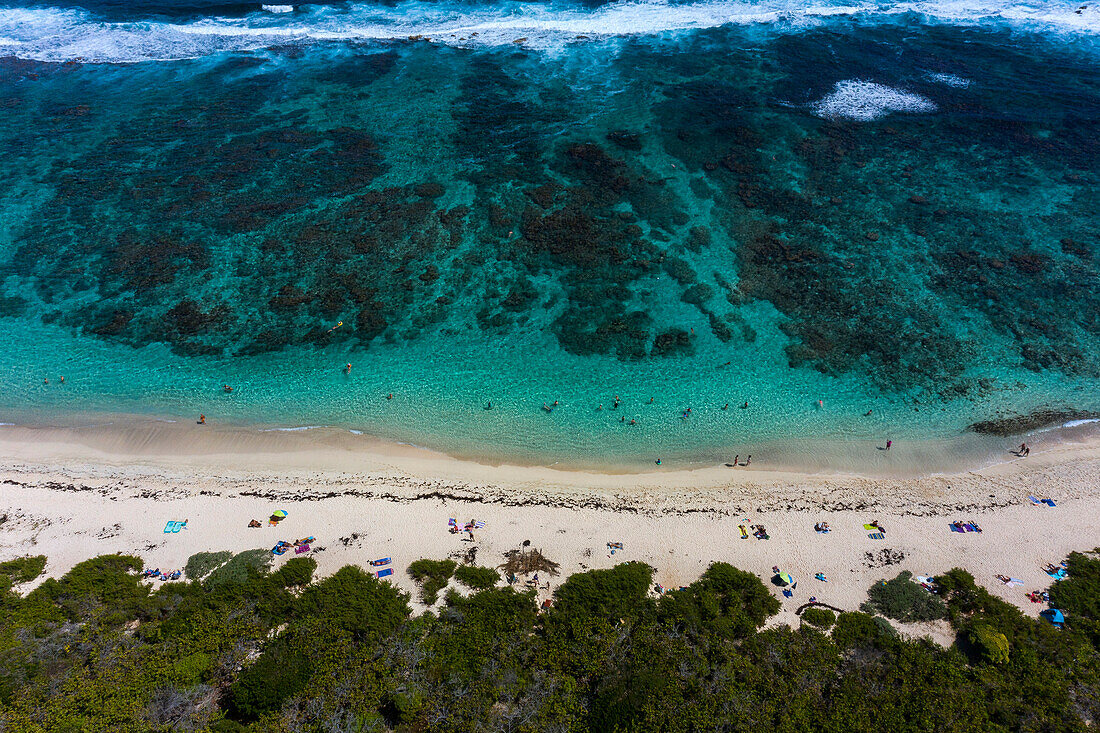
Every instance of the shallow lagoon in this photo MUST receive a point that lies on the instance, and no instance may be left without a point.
(885, 214)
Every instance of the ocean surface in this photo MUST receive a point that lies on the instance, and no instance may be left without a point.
(865, 221)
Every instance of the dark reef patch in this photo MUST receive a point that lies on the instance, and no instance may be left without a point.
(1009, 425)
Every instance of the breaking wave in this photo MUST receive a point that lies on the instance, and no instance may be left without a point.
(80, 34)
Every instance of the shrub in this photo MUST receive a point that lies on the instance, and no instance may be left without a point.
(297, 571)
(432, 576)
(821, 617)
(238, 569)
(476, 577)
(903, 600)
(354, 601)
(20, 570)
(724, 599)
(619, 592)
(278, 674)
(1079, 594)
(991, 644)
(856, 629)
(106, 580)
(192, 669)
(200, 564)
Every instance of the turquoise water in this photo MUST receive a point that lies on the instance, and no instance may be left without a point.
(891, 209)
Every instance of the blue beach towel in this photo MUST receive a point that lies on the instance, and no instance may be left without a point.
(384, 573)
(877, 536)
(957, 529)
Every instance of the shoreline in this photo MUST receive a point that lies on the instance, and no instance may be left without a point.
(166, 439)
(72, 502)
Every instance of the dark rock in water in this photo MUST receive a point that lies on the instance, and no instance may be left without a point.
(430, 190)
(115, 324)
(672, 341)
(625, 140)
(1029, 263)
(1018, 424)
(919, 200)
(1077, 249)
(12, 305)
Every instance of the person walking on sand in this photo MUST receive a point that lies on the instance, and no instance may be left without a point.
(889, 443)
(748, 460)
(1024, 450)
(202, 419)
(736, 458)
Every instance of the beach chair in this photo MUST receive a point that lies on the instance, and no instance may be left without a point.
(1048, 502)
(385, 572)
(956, 528)
(381, 562)
(1034, 500)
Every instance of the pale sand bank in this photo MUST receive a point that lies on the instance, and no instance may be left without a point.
(71, 501)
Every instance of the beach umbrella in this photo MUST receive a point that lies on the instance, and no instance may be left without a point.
(784, 578)
(278, 514)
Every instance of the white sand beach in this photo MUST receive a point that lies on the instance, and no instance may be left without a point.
(73, 496)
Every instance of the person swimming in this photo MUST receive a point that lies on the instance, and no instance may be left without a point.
(489, 405)
(347, 368)
(226, 388)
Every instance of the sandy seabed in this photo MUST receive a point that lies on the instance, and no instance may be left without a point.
(71, 495)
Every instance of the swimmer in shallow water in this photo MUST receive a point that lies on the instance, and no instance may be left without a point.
(226, 388)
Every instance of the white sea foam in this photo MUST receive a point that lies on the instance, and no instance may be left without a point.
(292, 430)
(950, 80)
(865, 101)
(55, 34)
(1075, 423)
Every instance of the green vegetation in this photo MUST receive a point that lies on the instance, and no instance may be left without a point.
(246, 650)
(903, 600)
(200, 564)
(432, 576)
(823, 618)
(240, 566)
(477, 578)
(20, 570)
